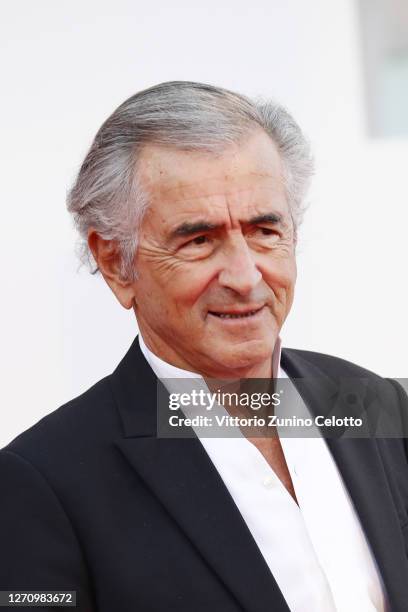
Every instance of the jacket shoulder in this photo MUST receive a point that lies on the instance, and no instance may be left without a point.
(84, 421)
(330, 365)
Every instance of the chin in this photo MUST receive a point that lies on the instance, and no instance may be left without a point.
(244, 359)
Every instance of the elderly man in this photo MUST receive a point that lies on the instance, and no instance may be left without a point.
(189, 202)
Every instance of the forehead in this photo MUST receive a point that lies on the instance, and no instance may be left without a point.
(242, 176)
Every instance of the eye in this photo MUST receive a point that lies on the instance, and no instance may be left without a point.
(265, 237)
(267, 231)
(198, 247)
(197, 241)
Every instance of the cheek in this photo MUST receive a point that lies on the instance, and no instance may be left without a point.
(280, 273)
(190, 285)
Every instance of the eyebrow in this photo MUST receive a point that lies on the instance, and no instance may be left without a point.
(188, 229)
(272, 218)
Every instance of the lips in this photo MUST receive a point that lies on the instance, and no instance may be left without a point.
(235, 314)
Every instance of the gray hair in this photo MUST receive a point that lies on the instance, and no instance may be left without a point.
(107, 194)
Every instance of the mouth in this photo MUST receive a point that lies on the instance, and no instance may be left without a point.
(236, 313)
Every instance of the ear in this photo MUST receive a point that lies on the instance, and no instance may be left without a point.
(107, 256)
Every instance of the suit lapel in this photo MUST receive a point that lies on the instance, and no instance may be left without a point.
(181, 475)
(359, 462)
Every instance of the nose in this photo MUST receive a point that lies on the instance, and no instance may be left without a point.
(239, 271)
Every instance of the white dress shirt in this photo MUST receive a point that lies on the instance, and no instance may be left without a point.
(317, 550)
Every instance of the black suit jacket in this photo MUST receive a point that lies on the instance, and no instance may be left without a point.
(92, 501)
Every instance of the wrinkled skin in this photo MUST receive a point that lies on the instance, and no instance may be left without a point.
(239, 257)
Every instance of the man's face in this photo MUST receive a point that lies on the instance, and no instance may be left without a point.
(216, 257)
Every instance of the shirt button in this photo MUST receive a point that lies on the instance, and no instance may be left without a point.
(268, 482)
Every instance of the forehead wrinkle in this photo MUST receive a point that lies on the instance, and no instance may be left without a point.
(208, 186)
(220, 209)
(223, 209)
(228, 220)
(217, 198)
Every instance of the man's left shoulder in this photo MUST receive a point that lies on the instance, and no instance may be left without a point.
(302, 363)
(329, 364)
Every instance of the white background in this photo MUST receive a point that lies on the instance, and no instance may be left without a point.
(68, 65)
